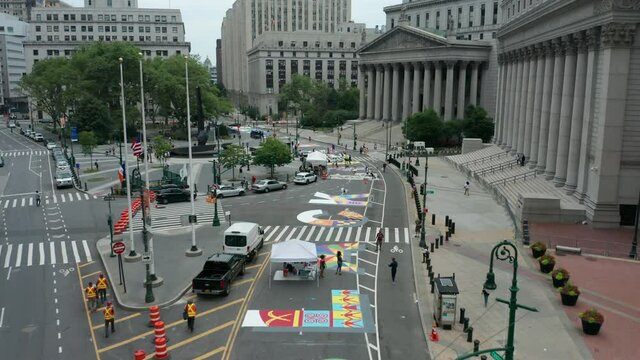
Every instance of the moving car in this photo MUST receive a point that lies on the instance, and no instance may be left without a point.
(218, 273)
(38, 137)
(157, 189)
(305, 178)
(64, 179)
(243, 238)
(227, 190)
(51, 145)
(172, 195)
(268, 185)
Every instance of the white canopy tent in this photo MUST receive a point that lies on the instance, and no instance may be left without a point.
(293, 251)
(317, 158)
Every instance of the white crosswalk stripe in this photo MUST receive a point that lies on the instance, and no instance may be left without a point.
(17, 256)
(29, 200)
(25, 153)
(167, 217)
(343, 235)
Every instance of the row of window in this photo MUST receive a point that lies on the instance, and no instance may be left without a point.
(511, 11)
(480, 36)
(69, 52)
(306, 71)
(438, 20)
(105, 17)
(147, 38)
(101, 28)
(318, 54)
(305, 44)
(9, 29)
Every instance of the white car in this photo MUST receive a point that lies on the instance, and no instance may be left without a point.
(227, 191)
(38, 137)
(51, 145)
(64, 179)
(62, 165)
(305, 178)
(12, 124)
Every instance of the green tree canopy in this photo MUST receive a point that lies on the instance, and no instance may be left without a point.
(424, 126)
(272, 153)
(160, 147)
(477, 123)
(233, 156)
(88, 141)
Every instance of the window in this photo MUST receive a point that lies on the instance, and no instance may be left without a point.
(174, 29)
(482, 12)
(73, 28)
(38, 28)
(164, 18)
(56, 28)
(471, 16)
(124, 29)
(123, 18)
(130, 28)
(49, 17)
(66, 28)
(417, 20)
(35, 52)
(100, 17)
(147, 18)
(493, 35)
(109, 3)
(38, 38)
(89, 17)
(459, 17)
(157, 18)
(353, 45)
(426, 20)
(140, 18)
(495, 13)
(437, 20)
(481, 36)
(174, 18)
(164, 29)
(90, 28)
(39, 17)
(175, 39)
(65, 17)
(100, 28)
(393, 23)
(280, 43)
(329, 44)
(305, 44)
(83, 17)
(83, 28)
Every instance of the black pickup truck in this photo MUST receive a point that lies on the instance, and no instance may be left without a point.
(218, 273)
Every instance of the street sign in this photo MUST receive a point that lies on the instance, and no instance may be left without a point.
(496, 356)
(118, 247)
(193, 219)
(146, 257)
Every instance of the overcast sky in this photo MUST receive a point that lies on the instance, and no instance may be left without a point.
(203, 18)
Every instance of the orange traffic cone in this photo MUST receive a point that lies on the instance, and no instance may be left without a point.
(434, 334)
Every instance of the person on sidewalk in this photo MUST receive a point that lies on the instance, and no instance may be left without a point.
(96, 164)
(467, 185)
(485, 294)
(190, 312)
(91, 296)
(37, 198)
(109, 318)
(379, 239)
(394, 269)
(102, 288)
(418, 227)
(384, 167)
(339, 261)
(322, 264)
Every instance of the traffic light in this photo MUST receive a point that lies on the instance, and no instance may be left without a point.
(421, 189)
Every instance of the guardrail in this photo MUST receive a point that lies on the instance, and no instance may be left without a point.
(486, 158)
(515, 178)
(492, 169)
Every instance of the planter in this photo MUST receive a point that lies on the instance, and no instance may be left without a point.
(569, 300)
(547, 268)
(559, 283)
(538, 253)
(590, 328)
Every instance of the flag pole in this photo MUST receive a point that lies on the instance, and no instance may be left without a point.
(193, 251)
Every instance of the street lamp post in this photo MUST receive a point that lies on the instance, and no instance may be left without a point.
(109, 198)
(193, 251)
(148, 284)
(503, 252)
(216, 219)
(423, 242)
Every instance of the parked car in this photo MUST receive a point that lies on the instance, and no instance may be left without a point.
(51, 145)
(1, 161)
(218, 273)
(12, 124)
(158, 188)
(305, 178)
(173, 195)
(228, 190)
(268, 185)
(38, 137)
(243, 238)
(62, 165)
(64, 179)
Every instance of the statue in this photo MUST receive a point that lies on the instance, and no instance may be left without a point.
(450, 23)
(203, 136)
(363, 36)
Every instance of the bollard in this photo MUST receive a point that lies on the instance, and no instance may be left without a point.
(139, 355)
(431, 247)
(462, 310)
(453, 228)
(431, 275)
(465, 325)
(446, 220)
(433, 219)
(161, 348)
(441, 242)
(437, 243)
(476, 345)
(154, 315)
(431, 283)
(425, 255)
(430, 268)
(159, 331)
(470, 334)
(85, 186)
(446, 236)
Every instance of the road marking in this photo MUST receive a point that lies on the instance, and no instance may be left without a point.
(79, 197)
(41, 251)
(373, 347)
(386, 234)
(52, 251)
(100, 326)
(329, 234)
(9, 273)
(19, 256)
(339, 234)
(62, 197)
(311, 230)
(366, 288)
(322, 228)
(23, 202)
(7, 257)
(86, 196)
(85, 264)
(406, 235)
(367, 235)
(293, 231)
(348, 236)
(92, 274)
(6, 205)
(282, 233)
(366, 273)
(194, 338)
(210, 353)
(1, 316)
(397, 234)
(358, 233)
(30, 201)
(76, 255)
(86, 250)
(271, 233)
(65, 258)
(304, 228)
(70, 197)
(367, 261)
(30, 254)
(86, 312)
(15, 202)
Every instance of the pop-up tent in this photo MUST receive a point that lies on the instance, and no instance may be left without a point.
(293, 251)
(317, 158)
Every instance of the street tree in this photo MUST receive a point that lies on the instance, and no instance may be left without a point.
(160, 147)
(477, 123)
(272, 153)
(232, 156)
(88, 141)
(424, 126)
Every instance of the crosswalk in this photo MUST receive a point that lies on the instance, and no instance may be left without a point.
(332, 234)
(18, 153)
(171, 216)
(44, 253)
(30, 200)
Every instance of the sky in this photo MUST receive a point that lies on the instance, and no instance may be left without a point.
(203, 18)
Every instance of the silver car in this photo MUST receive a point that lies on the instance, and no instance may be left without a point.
(268, 185)
(305, 178)
(64, 179)
(227, 191)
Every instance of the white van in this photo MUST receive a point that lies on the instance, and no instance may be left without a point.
(243, 238)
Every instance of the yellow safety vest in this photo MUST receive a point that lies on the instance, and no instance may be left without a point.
(108, 313)
(102, 283)
(91, 292)
(191, 310)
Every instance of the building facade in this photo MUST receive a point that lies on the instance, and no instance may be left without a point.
(569, 98)
(13, 33)
(58, 31)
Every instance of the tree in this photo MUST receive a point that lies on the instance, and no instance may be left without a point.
(160, 147)
(272, 153)
(88, 141)
(424, 126)
(233, 156)
(477, 124)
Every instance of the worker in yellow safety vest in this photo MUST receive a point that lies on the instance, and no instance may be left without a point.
(90, 291)
(102, 288)
(190, 314)
(109, 318)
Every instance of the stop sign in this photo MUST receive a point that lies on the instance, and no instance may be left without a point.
(118, 247)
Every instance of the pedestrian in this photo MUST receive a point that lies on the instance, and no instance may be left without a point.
(109, 318)
(394, 269)
(102, 288)
(240, 169)
(253, 179)
(418, 227)
(339, 261)
(384, 167)
(379, 239)
(485, 294)
(91, 296)
(189, 314)
(467, 185)
(96, 164)
(37, 198)
(322, 265)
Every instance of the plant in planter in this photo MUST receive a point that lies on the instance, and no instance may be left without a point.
(538, 249)
(569, 294)
(592, 320)
(559, 277)
(547, 262)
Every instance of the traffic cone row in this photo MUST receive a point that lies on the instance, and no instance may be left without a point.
(160, 338)
(434, 334)
(154, 315)
(122, 224)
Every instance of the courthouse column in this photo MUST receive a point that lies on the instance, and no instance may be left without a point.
(545, 112)
(473, 93)
(378, 96)
(361, 86)
(526, 62)
(386, 104)
(371, 84)
(448, 96)
(517, 100)
(395, 93)
(406, 91)
(565, 110)
(416, 88)
(577, 113)
(499, 101)
(556, 102)
(437, 89)
(508, 113)
(530, 99)
(426, 90)
(537, 106)
(462, 82)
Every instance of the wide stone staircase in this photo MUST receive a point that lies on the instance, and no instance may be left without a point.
(526, 194)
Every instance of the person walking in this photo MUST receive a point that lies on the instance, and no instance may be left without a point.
(339, 266)
(379, 239)
(485, 294)
(384, 167)
(394, 269)
(190, 314)
(91, 296)
(253, 179)
(37, 198)
(96, 164)
(109, 318)
(418, 227)
(467, 185)
(322, 264)
(102, 288)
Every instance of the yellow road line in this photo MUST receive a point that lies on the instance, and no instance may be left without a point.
(210, 353)
(167, 326)
(234, 332)
(92, 274)
(85, 264)
(119, 320)
(194, 338)
(252, 266)
(233, 284)
(86, 311)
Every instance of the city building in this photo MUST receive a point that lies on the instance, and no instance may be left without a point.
(264, 44)
(13, 33)
(212, 70)
(219, 61)
(58, 30)
(569, 99)
(437, 54)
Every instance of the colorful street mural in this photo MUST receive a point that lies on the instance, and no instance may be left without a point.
(343, 200)
(346, 218)
(331, 250)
